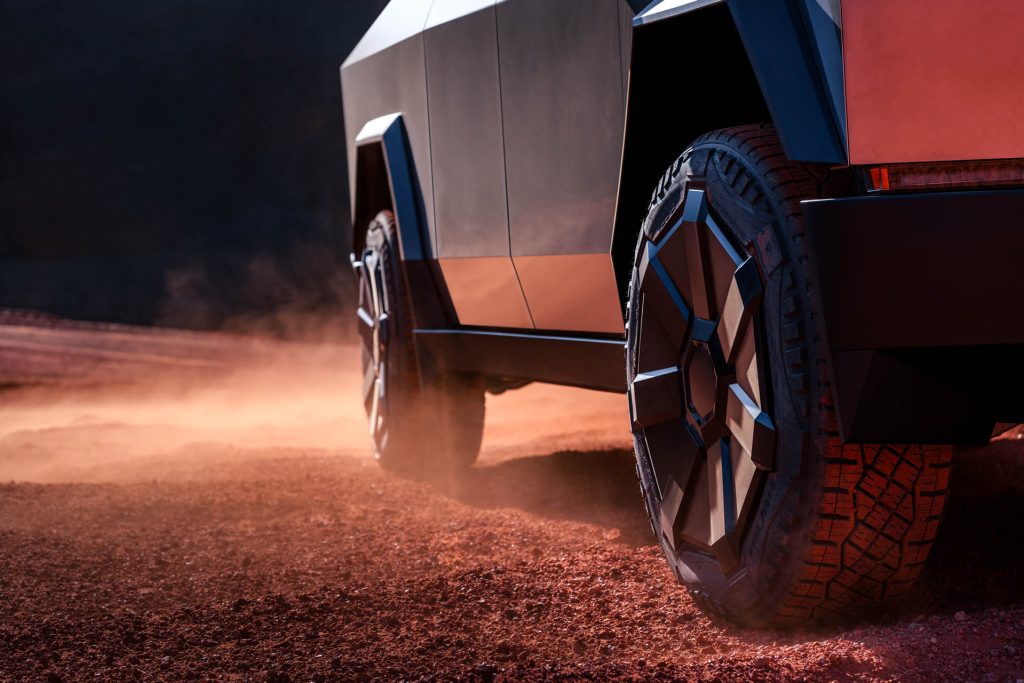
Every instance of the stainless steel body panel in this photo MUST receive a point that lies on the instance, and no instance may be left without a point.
(485, 292)
(385, 74)
(625, 41)
(468, 164)
(670, 8)
(444, 11)
(514, 112)
(398, 21)
(572, 292)
(563, 99)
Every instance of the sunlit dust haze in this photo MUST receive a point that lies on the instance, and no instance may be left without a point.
(177, 404)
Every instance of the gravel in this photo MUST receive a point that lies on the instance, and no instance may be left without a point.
(243, 533)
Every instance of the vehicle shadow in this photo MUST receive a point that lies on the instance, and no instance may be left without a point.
(593, 487)
(977, 564)
(978, 559)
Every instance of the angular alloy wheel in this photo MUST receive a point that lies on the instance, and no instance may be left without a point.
(701, 409)
(762, 511)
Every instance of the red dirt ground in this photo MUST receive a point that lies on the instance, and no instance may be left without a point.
(203, 507)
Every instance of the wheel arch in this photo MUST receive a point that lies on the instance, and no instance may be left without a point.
(386, 180)
(743, 61)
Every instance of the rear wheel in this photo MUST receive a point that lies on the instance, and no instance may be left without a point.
(761, 511)
(425, 428)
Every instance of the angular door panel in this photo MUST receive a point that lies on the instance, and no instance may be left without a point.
(564, 106)
(563, 100)
(576, 289)
(468, 164)
(485, 291)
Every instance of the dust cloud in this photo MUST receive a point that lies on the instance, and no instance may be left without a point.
(171, 403)
(86, 402)
(296, 399)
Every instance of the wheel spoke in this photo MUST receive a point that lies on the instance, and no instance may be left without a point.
(379, 294)
(685, 489)
(730, 477)
(364, 280)
(364, 317)
(374, 409)
(369, 381)
(366, 312)
(656, 396)
(672, 453)
(695, 206)
(696, 523)
(746, 365)
(655, 347)
(672, 511)
(723, 260)
(366, 341)
(662, 300)
(701, 285)
(369, 265)
(702, 381)
(366, 295)
(751, 428)
(671, 253)
(740, 303)
(721, 495)
(366, 334)
(745, 476)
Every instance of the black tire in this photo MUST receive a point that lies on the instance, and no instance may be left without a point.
(731, 406)
(429, 428)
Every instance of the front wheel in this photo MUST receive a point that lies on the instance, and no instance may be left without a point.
(422, 427)
(762, 512)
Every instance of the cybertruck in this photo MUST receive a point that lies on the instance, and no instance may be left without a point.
(790, 231)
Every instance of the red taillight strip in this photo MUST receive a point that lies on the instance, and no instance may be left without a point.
(952, 175)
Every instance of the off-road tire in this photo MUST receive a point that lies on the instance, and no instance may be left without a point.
(824, 529)
(419, 428)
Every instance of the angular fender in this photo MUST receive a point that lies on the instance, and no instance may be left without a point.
(774, 61)
(677, 93)
(795, 51)
(386, 179)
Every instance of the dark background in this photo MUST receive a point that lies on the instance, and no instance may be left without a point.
(175, 162)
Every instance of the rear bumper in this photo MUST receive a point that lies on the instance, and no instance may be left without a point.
(923, 300)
